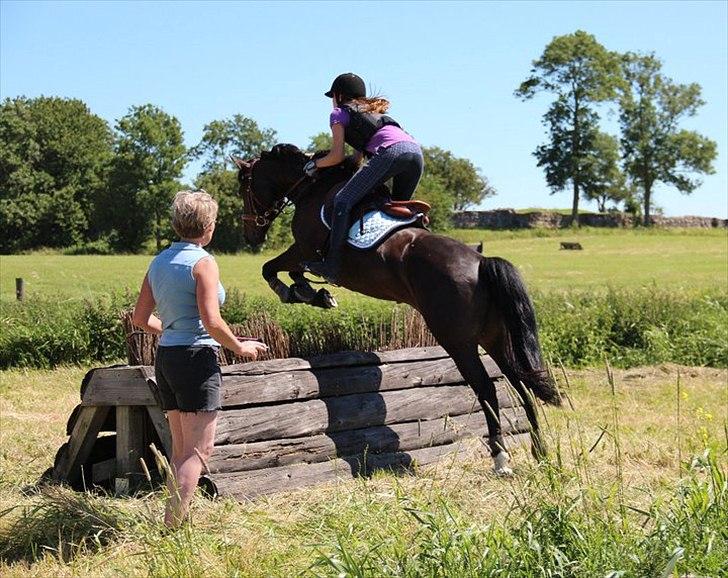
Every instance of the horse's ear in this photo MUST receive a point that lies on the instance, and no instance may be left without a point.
(240, 163)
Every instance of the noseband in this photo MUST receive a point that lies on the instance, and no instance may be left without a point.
(263, 218)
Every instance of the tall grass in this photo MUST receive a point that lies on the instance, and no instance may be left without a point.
(572, 515)
(631, 326)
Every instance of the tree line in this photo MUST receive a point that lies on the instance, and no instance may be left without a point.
(651, 147)
(67, 179)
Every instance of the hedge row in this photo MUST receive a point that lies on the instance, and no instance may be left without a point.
(629, 327)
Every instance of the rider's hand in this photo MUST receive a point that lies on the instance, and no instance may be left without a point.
(250, 349)
(310, 168)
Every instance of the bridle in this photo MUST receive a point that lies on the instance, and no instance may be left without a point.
(262, 218)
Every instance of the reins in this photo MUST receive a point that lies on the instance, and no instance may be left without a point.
(264, 218)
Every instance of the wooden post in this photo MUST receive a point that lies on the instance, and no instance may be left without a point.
(20, 288)
(129, 444)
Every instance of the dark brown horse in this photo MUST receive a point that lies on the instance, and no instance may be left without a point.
(466, 299)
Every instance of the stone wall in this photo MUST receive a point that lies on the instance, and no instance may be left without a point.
(509, 219)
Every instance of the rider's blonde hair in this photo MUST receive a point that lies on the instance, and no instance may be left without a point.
(375, 104)
(193, 213)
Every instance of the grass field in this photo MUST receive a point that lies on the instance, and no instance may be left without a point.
(688, 258)
(629, 484)
(636, 480)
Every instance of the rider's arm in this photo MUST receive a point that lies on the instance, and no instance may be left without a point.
(336, 154)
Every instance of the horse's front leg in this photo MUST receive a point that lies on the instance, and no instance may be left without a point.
(301, 291)
(306, 294)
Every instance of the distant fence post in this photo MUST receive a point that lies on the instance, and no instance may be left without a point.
(19, 288)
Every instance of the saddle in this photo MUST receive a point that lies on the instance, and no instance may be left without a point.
(379, 200)
(376, 216)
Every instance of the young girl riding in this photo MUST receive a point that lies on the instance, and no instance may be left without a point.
(362, 123)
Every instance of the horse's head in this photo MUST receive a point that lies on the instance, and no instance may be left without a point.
(264, 184)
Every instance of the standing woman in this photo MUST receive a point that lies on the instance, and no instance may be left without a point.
(391, 153)
(183, 282)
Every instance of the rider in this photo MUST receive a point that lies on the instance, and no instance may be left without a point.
(362, 123)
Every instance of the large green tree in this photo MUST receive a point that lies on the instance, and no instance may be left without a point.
(150, 157)
(54, 161)
(460, 177)
(603, 179)
(655, 149)
(240, 136)
(580, 72)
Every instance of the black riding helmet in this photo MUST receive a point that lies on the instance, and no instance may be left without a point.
(348, 84)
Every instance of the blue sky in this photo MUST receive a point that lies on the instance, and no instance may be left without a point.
(449, 68)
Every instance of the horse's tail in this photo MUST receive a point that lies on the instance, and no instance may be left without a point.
(521, 348)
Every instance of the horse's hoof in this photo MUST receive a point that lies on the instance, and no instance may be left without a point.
(324, 299)
(500, 465)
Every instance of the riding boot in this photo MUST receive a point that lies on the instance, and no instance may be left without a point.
(330, 267)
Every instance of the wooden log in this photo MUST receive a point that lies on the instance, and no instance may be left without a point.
(379, 439)
(342, 359)
(129, 439)
(83, 436)
(571, 246)
(348, 412)
(244, 390)
(259, 383)
(258, 482)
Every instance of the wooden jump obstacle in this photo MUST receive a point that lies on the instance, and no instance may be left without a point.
(290, 423)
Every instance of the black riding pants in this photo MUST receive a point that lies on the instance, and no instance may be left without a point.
(402, 162)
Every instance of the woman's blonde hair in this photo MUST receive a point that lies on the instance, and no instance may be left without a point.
(193, 213)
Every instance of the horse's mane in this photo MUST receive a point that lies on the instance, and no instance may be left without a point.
(347, 166)
(283, 151)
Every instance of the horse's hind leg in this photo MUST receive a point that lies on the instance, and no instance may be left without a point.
(467, 360)
(494, 346)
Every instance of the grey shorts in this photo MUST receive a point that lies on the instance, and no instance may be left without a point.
(188, 378)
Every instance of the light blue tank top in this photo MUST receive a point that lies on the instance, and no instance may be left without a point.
(175, 293)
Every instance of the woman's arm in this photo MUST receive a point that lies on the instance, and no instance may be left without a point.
(336, 154)
(207, 276)
(143, 316)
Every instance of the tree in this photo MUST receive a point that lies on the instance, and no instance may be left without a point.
(240, 136)
(654, 148)
(459, 176)
(150, 157)
(54, 162)
(320, 142)
(580, 72)
(603, 180)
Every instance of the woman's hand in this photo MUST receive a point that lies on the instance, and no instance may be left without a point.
(250, 349)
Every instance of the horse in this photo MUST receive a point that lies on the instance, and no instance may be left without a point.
(467, 300)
